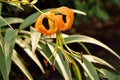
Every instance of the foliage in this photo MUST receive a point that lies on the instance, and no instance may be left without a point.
(31, 41)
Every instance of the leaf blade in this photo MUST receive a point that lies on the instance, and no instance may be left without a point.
(9, 43)
(17, 60)
(10, 20)
(86, 39)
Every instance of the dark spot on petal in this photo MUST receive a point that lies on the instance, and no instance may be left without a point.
(64, 18)
(45, 23)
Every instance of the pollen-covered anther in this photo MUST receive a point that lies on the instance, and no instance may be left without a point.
(45, 62)
(53, 67)
(81, 55)
(70, 65)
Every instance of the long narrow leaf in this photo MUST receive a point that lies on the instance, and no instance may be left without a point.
(76, 70)
(86, 39)
(35, 36)
(61, 63)
(88, 68)
(10, 20)
(17, 60)
(33, 56)
(108, 74)
(9, 42)
(6, 49)
(98, 60)
(29, 20)
(3, 69)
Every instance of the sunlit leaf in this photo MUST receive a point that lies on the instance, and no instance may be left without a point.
(33, 56)
(34, 1)
(60, 63)
(35, 36)
(18, 61)
(86, 39)
(10, 20)
(88, 68)
(16, 4)
(63, 65)
(78, 12)
(98, 60)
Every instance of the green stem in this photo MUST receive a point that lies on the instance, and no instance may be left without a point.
(37, 8)
(61, 47)
(85, 48)
(63, 41)
(56, 47)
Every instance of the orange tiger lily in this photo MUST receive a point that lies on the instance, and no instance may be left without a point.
(59, 19)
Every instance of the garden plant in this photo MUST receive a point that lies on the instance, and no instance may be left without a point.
(43, 32)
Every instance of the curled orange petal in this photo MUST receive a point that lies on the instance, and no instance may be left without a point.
(45, 24)
(65, 16)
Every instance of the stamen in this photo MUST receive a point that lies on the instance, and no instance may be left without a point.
(45, 62)
(81, 55)
(70, 65)
(53, 67)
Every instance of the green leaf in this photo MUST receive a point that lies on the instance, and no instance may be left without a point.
(88, 68)
(35, 36)
(18, 61)
(86, 39)
(9, 43)
(26, 48)
(76, 70)
(6, 49)
(95, 59)
(29, 20)
(61, 65)
(3, 69)
(108, 74)
(10, 20)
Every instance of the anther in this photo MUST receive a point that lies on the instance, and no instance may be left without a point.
(81, 55)
(45, 62)
(53, 67)
(70, 65)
